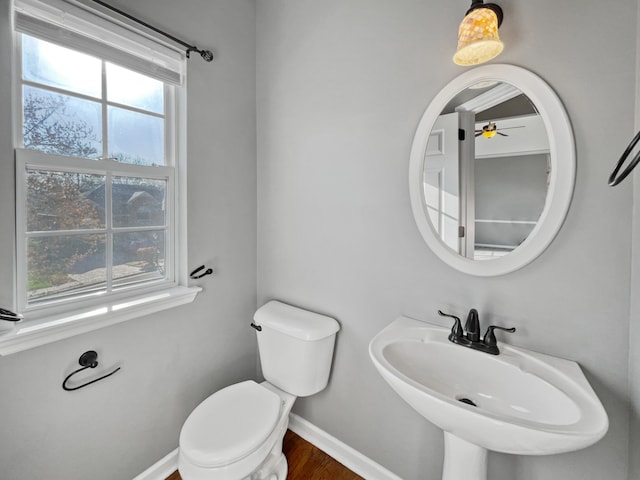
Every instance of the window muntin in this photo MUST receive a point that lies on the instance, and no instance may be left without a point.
(92, 226)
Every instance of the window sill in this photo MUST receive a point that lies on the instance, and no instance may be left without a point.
(30, 334)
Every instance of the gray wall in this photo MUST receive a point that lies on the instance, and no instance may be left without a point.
(634, 326)
(509, 188)
(341, 87)
(117, 428)
(634, 343)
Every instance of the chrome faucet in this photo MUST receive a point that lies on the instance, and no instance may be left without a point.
(471, 338)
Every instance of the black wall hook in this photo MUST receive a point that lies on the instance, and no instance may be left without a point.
(9, 316)
(88, 359)
(193, 275)
(613, 180)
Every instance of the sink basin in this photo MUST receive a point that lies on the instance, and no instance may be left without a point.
(518, 402)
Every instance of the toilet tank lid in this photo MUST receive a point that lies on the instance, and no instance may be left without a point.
(295, 322)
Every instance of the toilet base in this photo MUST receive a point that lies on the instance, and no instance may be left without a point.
(274, 468)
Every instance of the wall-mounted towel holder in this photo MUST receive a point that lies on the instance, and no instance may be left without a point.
(9, 316)
(613, 180)
(88, 359)
(195, 274)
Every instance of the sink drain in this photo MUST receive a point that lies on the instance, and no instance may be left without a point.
(468, 401)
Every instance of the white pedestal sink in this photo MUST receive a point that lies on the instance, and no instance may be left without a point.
(518, 402)
(463, 460)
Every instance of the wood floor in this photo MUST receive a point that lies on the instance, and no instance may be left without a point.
(306, 462)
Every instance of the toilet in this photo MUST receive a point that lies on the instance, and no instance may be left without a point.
(237, 433)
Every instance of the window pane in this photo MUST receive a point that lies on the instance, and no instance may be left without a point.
(50, 64)
(138, 257)
(64, 201)
(61, 124)
(134, 89)
(135, 137)
(138, 202)
(64, 265)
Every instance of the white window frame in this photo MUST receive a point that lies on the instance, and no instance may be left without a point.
(27, 159)
(58, 319)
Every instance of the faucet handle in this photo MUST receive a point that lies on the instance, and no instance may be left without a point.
(472, 326)
(490, 338)
(456, 330)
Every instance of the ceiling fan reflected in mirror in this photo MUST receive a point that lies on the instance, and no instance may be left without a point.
(490, 130)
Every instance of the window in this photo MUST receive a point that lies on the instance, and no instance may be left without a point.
(93, 173)
(97, 166)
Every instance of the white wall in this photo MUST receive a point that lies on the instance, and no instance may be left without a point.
(634, 341)
(522, 179)
(115, 429)
(634, 325)
(341, 87)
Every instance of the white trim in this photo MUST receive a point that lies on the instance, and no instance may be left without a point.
(177, 112)
(34, 160)
(497, 95)
(30, 334)
(162, 468)
(343, 453)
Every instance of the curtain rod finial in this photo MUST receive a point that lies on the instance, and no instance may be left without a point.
(207, 55)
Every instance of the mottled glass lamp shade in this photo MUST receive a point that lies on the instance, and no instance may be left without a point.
(478, 39)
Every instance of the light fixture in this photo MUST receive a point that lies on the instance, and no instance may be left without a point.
(478, 40)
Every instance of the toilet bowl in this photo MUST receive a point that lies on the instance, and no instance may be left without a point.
(237, 433)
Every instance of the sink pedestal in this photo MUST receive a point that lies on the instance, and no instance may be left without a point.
(463, 460)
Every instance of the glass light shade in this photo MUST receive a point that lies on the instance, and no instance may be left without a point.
(489, 133)
(478, 39)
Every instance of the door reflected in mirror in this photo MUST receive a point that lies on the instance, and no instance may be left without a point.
(486, 170)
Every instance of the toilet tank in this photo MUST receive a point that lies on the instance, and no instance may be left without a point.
(296, 347)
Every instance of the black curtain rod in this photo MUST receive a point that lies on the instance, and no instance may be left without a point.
(206, 54)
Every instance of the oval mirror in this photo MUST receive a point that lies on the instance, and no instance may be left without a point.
(492, 170)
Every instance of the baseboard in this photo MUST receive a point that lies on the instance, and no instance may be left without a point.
(161, 469)
(343, 453)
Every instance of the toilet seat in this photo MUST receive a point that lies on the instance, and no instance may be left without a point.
(229, 425)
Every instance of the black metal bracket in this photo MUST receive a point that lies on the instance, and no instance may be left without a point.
(9, 316)
(194, 275)
(88, 359)
(475, 4)
(613, 180)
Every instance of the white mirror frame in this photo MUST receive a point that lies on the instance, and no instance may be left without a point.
(561, 180)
